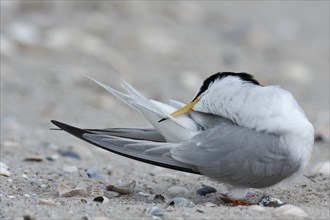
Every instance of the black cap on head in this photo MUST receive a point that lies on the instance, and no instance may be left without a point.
(217, 76)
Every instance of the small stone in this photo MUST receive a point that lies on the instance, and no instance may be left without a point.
(291, 210)
(83, 200)
(25, 33)
(28, 217)
(47, 202)
(210, 204)
(10, 143)
(100, 218)
(4, 169)
(155, 211)
(269, 201)
(70, 169)
(34, 158)
(206, 190)
(101, 199)
(52, 157)
(93, 174)
(176, 191)
(144, 194)
(122, 189)
(70, 153)
(181, 202)
(112, 194)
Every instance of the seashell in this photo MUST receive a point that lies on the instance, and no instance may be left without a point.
(291, 210)
(155, 211)
(66, 191)
(4, 169)
(94, 191)
(181, 202)
(93, 174)
(101, 199)
(269, 201)
(206, 190)
(47, 202)
(124, 189)
(158, 198)
(176, 191)
(34, 158)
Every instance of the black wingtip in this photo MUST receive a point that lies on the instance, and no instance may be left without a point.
(70, 129)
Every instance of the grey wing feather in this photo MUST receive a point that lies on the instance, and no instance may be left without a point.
(133, 133)
(147, 151)
(238, 156)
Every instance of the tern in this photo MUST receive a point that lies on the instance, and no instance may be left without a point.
(235, 131)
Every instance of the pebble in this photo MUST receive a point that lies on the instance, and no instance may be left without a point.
(47, 202)
(66, 191)
(101, 199)
(210, 204)
(25, 33)
(112, 194)
(206, 190)
(70, 169)
(52, 157)
(176, 191)
(10, 143)
(181, 202)
(155, 211)
(268, 201)
(70, 153)
(28, 217)
(4, 169)
(34, 158)
(144, 194)
(291, 210)
(93, 174)
(122, 189)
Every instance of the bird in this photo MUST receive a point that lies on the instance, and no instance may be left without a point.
(234, 131)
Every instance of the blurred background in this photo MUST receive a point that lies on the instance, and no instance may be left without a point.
(165, 49)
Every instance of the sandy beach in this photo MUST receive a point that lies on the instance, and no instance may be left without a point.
(165, 50)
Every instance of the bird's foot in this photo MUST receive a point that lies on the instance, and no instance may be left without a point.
(234, 202)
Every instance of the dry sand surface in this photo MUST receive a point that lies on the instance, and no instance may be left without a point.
(165, 50)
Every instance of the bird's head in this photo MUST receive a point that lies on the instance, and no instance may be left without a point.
(220, 82)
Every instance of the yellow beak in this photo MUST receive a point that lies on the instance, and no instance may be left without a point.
(185, 109)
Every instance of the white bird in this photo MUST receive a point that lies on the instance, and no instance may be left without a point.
(235, 131)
